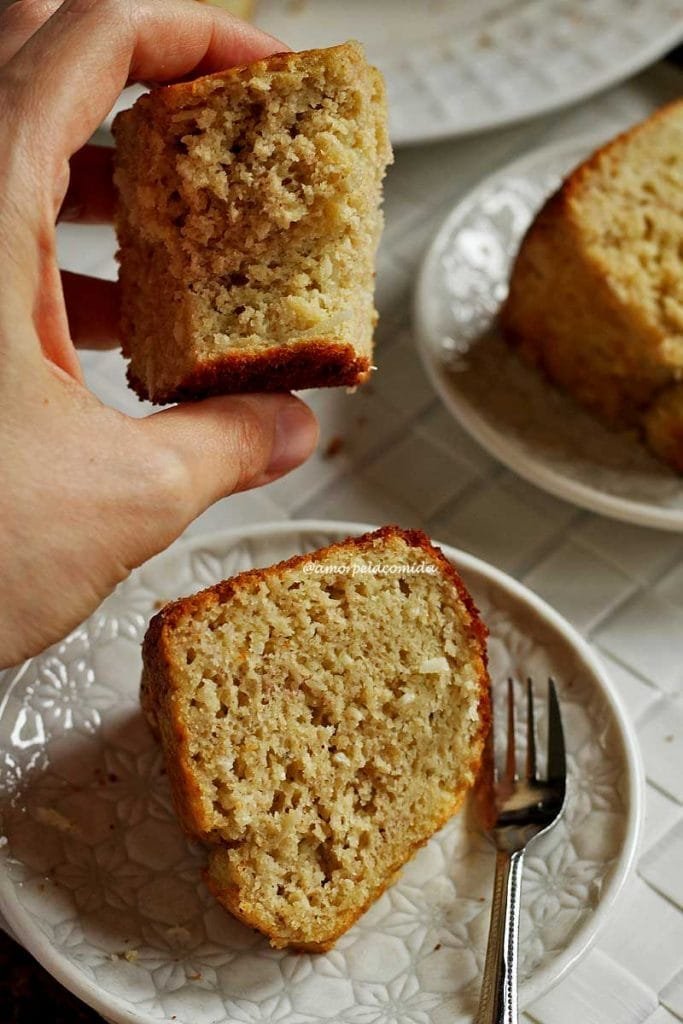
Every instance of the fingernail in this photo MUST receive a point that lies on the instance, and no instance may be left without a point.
(295, 437)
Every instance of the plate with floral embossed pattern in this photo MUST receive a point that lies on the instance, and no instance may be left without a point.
(99, 883)
(507, 407)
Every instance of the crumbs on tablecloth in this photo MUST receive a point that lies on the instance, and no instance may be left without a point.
(130, 955)
(335, 445)
(49, 816)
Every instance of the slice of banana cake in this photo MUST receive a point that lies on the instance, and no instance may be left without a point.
(320, 720)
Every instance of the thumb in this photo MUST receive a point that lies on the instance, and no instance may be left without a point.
(227, 444)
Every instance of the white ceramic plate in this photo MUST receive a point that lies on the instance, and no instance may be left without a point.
(459, 67)
(98, 882)
(513, 413)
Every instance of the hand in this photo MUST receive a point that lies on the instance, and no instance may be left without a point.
(87, 493)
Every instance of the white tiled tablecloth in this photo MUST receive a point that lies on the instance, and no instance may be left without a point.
(401, 458)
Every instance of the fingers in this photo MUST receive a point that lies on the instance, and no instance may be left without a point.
(92, 306)
(50, 319)
(90, 197)
(19, 21)
(222, 445)
(86, 51)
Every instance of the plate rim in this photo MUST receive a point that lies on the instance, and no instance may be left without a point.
(117, 1011)
(620, 73)
(615, 76)
(506, 452)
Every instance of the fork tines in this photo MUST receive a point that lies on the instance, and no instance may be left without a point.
(556, 766)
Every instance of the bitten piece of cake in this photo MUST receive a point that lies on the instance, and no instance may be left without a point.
(248, 220)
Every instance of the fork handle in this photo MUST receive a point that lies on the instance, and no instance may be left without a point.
(498, 999)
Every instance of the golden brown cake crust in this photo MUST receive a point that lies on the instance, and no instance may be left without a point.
(198, 88)
(663, 426)
(316, 364)
(156, 698)
(576, 179)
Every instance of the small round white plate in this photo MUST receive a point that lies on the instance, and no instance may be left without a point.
(507, 407)
(455, 68)
(98, 882)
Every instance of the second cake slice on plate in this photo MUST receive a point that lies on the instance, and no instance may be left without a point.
(596, 292)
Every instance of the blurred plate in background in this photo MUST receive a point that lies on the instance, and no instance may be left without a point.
(453, 68)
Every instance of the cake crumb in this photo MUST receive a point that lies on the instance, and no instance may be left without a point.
(49, 816)
(434, 665)
(334, 447)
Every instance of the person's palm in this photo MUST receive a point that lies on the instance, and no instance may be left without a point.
(87, 493)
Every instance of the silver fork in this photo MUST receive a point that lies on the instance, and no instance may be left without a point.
(512, 812)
